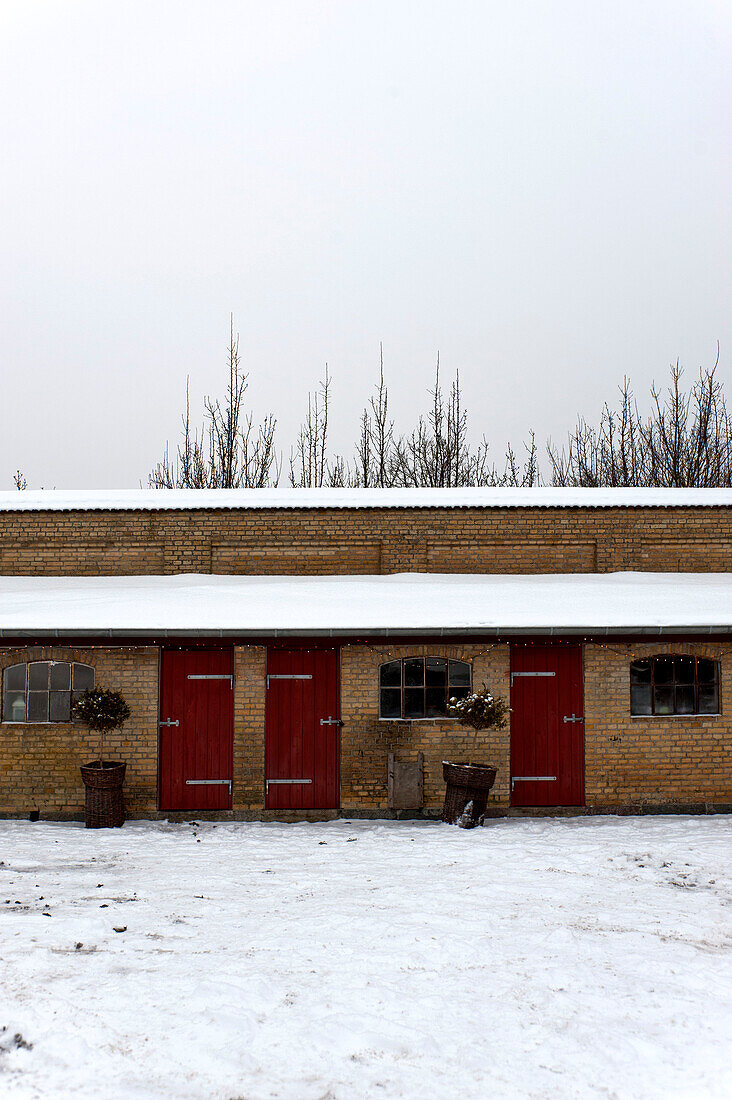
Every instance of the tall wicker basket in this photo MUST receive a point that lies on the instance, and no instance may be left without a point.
(466, 795)
(104, 804)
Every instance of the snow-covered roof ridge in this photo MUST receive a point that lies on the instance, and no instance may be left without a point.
(427, 603)
(65, 500)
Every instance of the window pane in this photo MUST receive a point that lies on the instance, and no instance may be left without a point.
(708, 699)
(685, 700)
(14, 706)
(38, 676)
(60, 708)
(414, 671)
(414, 703)
(435, 671)
(640, 672)
(684, 670)
(706, 670)
(640, 698)
(37, 706)
(390, 703)
(460, 673)
(458, 693)
(60, 676)
(663, 670)
(83, 677)
(663, 700)
(390, 675)
(436, 699)
(15, 678)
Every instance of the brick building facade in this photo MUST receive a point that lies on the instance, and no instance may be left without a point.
(629, 761)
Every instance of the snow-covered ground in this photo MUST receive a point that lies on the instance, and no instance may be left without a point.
(531, 958)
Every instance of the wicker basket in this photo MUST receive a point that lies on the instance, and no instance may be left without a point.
(104, 803)
(466, 795)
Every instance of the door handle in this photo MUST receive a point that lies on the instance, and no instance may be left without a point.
(573, 718)
(330, 722)
(169, 722)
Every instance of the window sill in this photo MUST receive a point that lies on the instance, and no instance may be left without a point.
(446, 718)
(672, 717)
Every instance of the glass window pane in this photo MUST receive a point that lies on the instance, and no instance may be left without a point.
(435, 671)
(458, 693)
(390, 703)
(684, 670)
(15, 678)
(60, 706)
(708, 699)
(414, 671)
(436, 700)
(663, 701)
(640, 672)
(38, 676)
(83, 677)
(14, 706)
(390, 674)
(663, 670)
(640, 698)
(60, 676)
(685, 699)
(460, 673)
(37, 706)
(706, 670)
(414, 703)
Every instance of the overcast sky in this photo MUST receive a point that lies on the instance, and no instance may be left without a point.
(538, 190)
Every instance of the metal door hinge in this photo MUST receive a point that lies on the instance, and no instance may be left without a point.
(524, 675)
(288, 676)
(209, 783)
(282, 782)
(213, 676)
(532, 779)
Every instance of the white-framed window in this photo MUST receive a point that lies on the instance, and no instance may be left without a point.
(43, 691)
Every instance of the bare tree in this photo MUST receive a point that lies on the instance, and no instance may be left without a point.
(19, 481)
(228, 452)
(310, 466)
(685, 440)
(437, 453)
(375, 448)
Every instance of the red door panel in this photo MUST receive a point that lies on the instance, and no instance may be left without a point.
(547, 726)
(303, 745)
(196, 754)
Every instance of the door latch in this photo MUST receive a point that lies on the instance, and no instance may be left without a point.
(573, 718)
(169, 722)
(330, 722)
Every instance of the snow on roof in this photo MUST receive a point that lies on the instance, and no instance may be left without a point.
(64, 500)
(401, 603)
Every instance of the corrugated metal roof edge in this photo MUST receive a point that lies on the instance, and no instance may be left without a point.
(515, 499)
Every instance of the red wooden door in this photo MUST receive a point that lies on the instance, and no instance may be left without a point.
(303, 746)
(196, 729)
(547, 726)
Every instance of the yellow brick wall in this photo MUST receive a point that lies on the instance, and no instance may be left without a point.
(372, 540)
(367, 740)
(39, 763)
(652, 761)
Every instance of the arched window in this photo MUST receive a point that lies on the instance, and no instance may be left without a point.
(674, 684)
(419, 687)
(43, 691)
